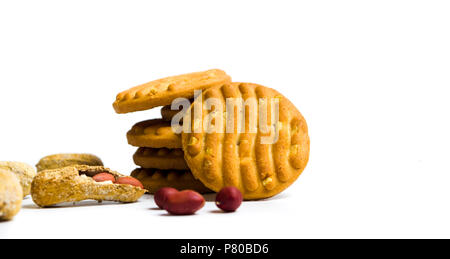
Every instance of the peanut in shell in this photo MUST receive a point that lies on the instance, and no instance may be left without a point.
(63, 160)
(75, 183)
(11, 195)
(24, 172)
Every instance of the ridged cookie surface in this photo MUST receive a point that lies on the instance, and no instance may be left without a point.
(155, 134)
(75, 183)
(259, 169)
(163, 91)
(154, 179)
(160, 158)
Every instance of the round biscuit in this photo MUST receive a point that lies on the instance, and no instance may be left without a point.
(168, 114)
(154, 179)
(163, 91)
(155, 133)
(229, 158)
(160, 158)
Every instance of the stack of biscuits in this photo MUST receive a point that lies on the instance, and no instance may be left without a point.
(159, 155)
(207, 161)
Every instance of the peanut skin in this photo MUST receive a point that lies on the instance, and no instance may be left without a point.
(162, 194)
(229, 199)
(103, 177)
(184, 203)
(129, 180)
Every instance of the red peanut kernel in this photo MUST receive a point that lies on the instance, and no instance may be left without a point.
(229, 199)
(184, 203)
(104, 177)
(130, 180)
(162, 194)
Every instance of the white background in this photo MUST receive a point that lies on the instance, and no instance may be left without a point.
(372, 79)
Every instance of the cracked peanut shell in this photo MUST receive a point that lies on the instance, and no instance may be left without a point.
(11, 195)
(24, 172)
(62, 160)
(75, 183)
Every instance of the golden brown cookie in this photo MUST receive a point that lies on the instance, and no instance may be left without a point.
(75, 183)
(154, 179)
(167, 113)
(24, 172)
(155, 134)
(160, 158)
(11, 195)
(258, 167)
(163, 91)
(62, 160)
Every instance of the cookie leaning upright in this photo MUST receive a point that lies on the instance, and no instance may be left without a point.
(246, 159)
(163, 91)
